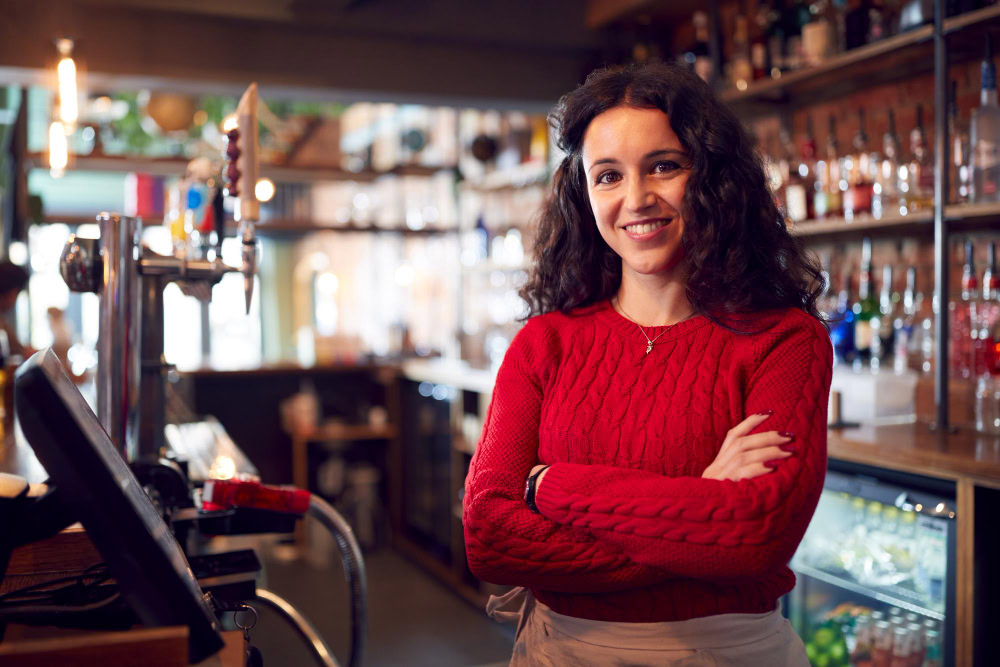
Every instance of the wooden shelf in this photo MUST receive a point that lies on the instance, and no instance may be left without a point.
(338, 431)
(908, 53)
(971, 215)
(961, 217)
(973, 19)
(903, 55)
(300, 227)
(172, 166)
(917, 223)
(490, 267)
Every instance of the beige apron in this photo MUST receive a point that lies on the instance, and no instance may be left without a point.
(546, 638)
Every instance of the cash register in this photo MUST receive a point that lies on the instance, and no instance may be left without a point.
(146, 577)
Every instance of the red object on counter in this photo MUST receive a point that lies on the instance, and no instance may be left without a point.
(221, 494)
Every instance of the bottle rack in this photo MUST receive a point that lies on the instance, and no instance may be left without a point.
(891, 59)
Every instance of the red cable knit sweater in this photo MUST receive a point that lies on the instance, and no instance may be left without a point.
(629, 531)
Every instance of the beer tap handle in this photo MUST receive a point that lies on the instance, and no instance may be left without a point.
(248, 236)
(242, 175)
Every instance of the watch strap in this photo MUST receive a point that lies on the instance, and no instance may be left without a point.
(530, 487)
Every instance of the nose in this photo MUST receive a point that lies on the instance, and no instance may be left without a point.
(638, 196)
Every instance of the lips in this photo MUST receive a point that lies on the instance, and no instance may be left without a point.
(646, 228)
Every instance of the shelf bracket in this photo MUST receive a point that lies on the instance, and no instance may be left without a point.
(940, 221)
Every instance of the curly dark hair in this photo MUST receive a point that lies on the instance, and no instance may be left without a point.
(740, 255)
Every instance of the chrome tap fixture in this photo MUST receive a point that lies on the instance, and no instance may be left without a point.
(131, 370)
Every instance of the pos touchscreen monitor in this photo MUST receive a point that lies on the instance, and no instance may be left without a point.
(88, 472)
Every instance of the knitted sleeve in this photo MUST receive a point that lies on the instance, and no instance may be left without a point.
(712, 529)
(506, 543)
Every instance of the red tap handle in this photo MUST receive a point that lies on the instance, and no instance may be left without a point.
(221, 494)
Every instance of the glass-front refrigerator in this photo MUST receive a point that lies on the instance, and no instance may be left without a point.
(876, 571)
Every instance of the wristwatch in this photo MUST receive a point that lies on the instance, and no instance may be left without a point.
(529, 489)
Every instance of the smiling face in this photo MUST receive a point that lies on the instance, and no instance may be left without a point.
(636, 170)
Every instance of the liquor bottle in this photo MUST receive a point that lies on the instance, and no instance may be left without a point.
(740, 68)
(759, 45)
(878, 22)
(818, 41)
(795, 18)
(864, 310)
(842, 331)
(776, 38)
(856, 22)
(959, 176)
(985, 135)
(962, 315)
(828, 200)
(858, 197)
(796, 185)
(903, 326)
(807, 168)
(885, 190)
(883, 324)
(988, 310)
(917, 175)
(702, 58)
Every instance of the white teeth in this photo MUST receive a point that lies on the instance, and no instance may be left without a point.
(645, 228)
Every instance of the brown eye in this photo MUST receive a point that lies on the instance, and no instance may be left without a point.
(665, 167)
(607, 177)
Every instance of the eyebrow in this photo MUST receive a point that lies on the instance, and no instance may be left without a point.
(647, 156)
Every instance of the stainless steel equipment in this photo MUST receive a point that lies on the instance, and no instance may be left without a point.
(131, 370)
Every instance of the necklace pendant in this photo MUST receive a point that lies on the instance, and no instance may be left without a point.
(649, 348)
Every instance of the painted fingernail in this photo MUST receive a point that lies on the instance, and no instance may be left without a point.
(770, 464)
(786, 434)
(787, 448)
(766, 413)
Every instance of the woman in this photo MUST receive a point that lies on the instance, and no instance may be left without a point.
(656, 442)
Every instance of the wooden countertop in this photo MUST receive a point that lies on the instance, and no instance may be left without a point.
(917, 449)
(907, 447)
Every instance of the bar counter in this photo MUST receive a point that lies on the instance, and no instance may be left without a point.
(915, 448)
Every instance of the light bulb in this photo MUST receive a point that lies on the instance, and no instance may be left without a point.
(264, 190)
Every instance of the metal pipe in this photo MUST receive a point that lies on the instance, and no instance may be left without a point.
(118, 344)
(301, 624)
(153, 373)
(354, 571)
(941, 162)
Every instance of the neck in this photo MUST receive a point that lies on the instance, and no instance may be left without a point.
(654, 300)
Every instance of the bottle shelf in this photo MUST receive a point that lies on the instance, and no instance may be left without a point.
(960, 217)
(279, 228)
(490, 267)
(894, 224)
(172, 166)
(899, 56)
(895, 595)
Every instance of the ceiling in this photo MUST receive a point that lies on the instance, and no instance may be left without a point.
(484, 52)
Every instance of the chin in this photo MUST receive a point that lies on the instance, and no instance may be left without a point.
(654, 266)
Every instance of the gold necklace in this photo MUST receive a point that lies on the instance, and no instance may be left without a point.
(650, 341)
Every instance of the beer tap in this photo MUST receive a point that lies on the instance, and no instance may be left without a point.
(241, 175)
(129, 278)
